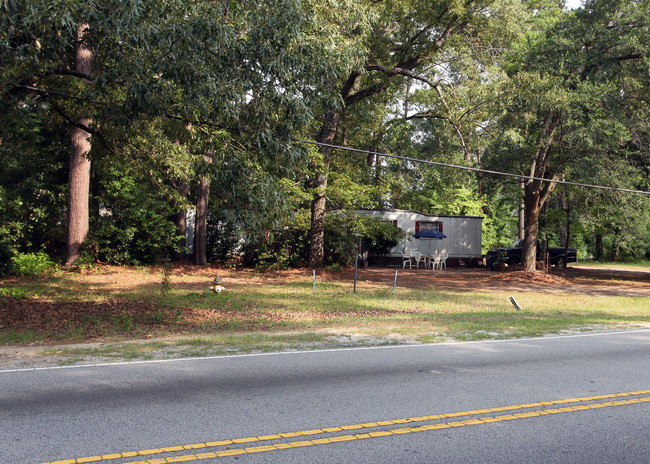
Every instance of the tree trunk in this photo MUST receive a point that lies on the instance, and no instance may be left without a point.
(567, 237)
(201, 224)
(529, 250)
(319, 185)
(79, 176)
(536, 197)
(537, 191)
(199, 257)
(522, 212)
(180, 219)
(564, 205)
(544, 241)
(599, 251)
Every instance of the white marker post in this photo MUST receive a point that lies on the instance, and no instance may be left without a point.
(514, 303)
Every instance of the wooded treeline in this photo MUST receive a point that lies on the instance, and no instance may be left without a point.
(117, 117)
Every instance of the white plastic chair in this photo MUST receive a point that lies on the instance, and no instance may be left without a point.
(417, 256)
(443, 260)
(435, 262)
(406, 259)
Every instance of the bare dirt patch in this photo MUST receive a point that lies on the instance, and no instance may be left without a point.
(606, 282)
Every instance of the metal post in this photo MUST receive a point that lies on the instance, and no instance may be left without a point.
(395, 283)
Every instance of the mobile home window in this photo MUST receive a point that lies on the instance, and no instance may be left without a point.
(428, 225)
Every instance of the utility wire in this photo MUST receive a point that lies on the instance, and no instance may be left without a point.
(358, 150)
(467, 168)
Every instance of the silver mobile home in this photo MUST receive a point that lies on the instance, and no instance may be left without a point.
(463, 233)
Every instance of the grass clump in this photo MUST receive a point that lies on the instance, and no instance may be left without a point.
(15, 292)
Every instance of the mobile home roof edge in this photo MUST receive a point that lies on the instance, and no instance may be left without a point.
(412, 211)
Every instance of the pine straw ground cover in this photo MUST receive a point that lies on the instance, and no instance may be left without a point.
(142, 313)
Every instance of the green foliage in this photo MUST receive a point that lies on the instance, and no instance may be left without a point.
(334, 268)
(146, 69)
(223, 235)
(341, 238)
(287, 246)
(566, 104)
(168, 97)
(380, 236)
(499, 221)
(501, 259)
(282, 247)
(31, 264)
(33, 177)
(6, 252)
(135, 226)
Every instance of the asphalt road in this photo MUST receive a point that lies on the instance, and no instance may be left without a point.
(562, 399)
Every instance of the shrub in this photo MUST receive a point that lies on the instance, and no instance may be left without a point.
(31, 264)
(223, 236)
(340, 242)
(136, 226)
(380, 236)
(284, 247)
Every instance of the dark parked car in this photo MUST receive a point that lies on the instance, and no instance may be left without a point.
(512, 254)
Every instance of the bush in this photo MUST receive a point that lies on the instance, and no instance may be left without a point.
(31, 264)
(283, 248)
(132, 237)
(223, 236)
(287, 245)
(380, 237)
(340, 242)
(136, 226)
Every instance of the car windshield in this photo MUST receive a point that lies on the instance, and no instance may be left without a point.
(517, 243)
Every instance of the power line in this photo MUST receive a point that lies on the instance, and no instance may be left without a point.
(468, 168)
(358, 150)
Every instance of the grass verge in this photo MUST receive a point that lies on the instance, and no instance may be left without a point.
(122, 314)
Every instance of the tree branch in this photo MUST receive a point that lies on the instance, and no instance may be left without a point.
(427, 115)
(45, 93)
(69, 72)
(629, 56)
(83, 127)
(403, 72)
(349, 84)
(365, 93)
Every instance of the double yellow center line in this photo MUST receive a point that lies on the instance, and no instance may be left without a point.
(336, 434)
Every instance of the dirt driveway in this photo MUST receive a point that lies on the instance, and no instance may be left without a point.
(606, 282)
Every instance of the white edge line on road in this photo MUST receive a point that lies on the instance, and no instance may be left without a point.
(330, 350)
